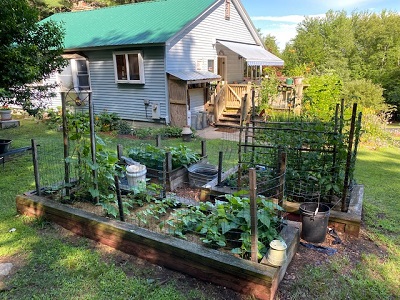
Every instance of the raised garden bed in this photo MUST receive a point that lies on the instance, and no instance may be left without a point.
(348, 222)
(259, 280)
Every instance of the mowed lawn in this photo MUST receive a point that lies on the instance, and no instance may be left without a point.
(51, 266)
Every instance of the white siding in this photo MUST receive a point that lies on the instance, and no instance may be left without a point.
(195, 46)
(54, 102)
(128, 99)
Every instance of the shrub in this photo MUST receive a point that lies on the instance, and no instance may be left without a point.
(123, 127)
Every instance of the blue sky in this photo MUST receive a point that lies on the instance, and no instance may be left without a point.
(280, 18)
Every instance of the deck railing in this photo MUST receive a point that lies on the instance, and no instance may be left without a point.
(235, 93)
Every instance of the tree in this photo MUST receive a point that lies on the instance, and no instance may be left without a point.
(270, 44)
(361, 46)
(29, 52)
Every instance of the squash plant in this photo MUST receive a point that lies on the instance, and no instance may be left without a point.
(227, 223)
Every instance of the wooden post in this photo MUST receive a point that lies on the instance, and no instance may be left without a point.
(246, 137)
(168, 170)
(120, 151)
(66, 144)
(164, 179)
(35, 166)
(253, 214)
(220, 159)
(203, 149)
(119, 200)
(93, 144)
(349, 155)
(253, 117)
(158, 140)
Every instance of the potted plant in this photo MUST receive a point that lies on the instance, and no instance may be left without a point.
(5, 113)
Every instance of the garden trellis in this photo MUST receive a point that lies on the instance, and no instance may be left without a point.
(320, 155)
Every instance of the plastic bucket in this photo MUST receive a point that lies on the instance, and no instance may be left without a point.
(277, 253)
(200, 174)
(4, 145)
(314, 225)
(136, 175)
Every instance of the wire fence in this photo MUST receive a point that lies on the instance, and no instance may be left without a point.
(225, 222)
(222, 222)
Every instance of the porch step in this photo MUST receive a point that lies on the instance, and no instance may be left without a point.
(227, 124)
(229, 118)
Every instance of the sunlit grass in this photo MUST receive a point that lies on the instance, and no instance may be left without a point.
(74, 271)
(51, 266)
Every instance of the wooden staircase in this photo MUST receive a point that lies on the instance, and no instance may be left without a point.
(230, 117)
(228, 104)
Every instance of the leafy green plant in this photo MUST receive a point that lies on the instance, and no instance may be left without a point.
(153, 157)
(269, 88)
(123, 127)
(164, 131)
(106, 121)
(219, 222)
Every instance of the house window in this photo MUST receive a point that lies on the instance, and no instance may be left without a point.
(211, 65)
(227, 9)
(129, 67)
(82, 75)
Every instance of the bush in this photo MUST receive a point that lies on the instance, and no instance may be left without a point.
(124, 127)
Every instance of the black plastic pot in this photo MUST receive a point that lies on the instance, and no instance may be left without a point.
(4, 145)
(314, 225)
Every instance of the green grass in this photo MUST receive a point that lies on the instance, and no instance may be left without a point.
(377, 274)
(57, 267)
(53, 3)
(52, 266)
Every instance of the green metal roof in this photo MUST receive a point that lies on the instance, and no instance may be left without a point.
(138, 23)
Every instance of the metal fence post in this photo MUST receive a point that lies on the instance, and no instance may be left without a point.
(253, 214)
(35, 166)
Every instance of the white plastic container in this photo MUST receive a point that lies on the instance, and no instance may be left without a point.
(136, 175)
(277, 253)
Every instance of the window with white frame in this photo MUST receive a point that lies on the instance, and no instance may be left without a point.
(128, 67)
(82, 74)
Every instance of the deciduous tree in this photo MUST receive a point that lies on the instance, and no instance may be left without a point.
(29, 51)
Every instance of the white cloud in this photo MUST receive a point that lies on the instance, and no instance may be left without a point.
(346, 3)
(282, 27)
(282, 32)
(285, 19)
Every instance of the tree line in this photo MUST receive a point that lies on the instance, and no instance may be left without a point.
(362, 47)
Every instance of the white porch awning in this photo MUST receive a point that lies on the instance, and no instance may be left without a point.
(194, 76)
(255, 55)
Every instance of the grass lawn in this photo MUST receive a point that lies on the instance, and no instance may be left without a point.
(51, 264)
